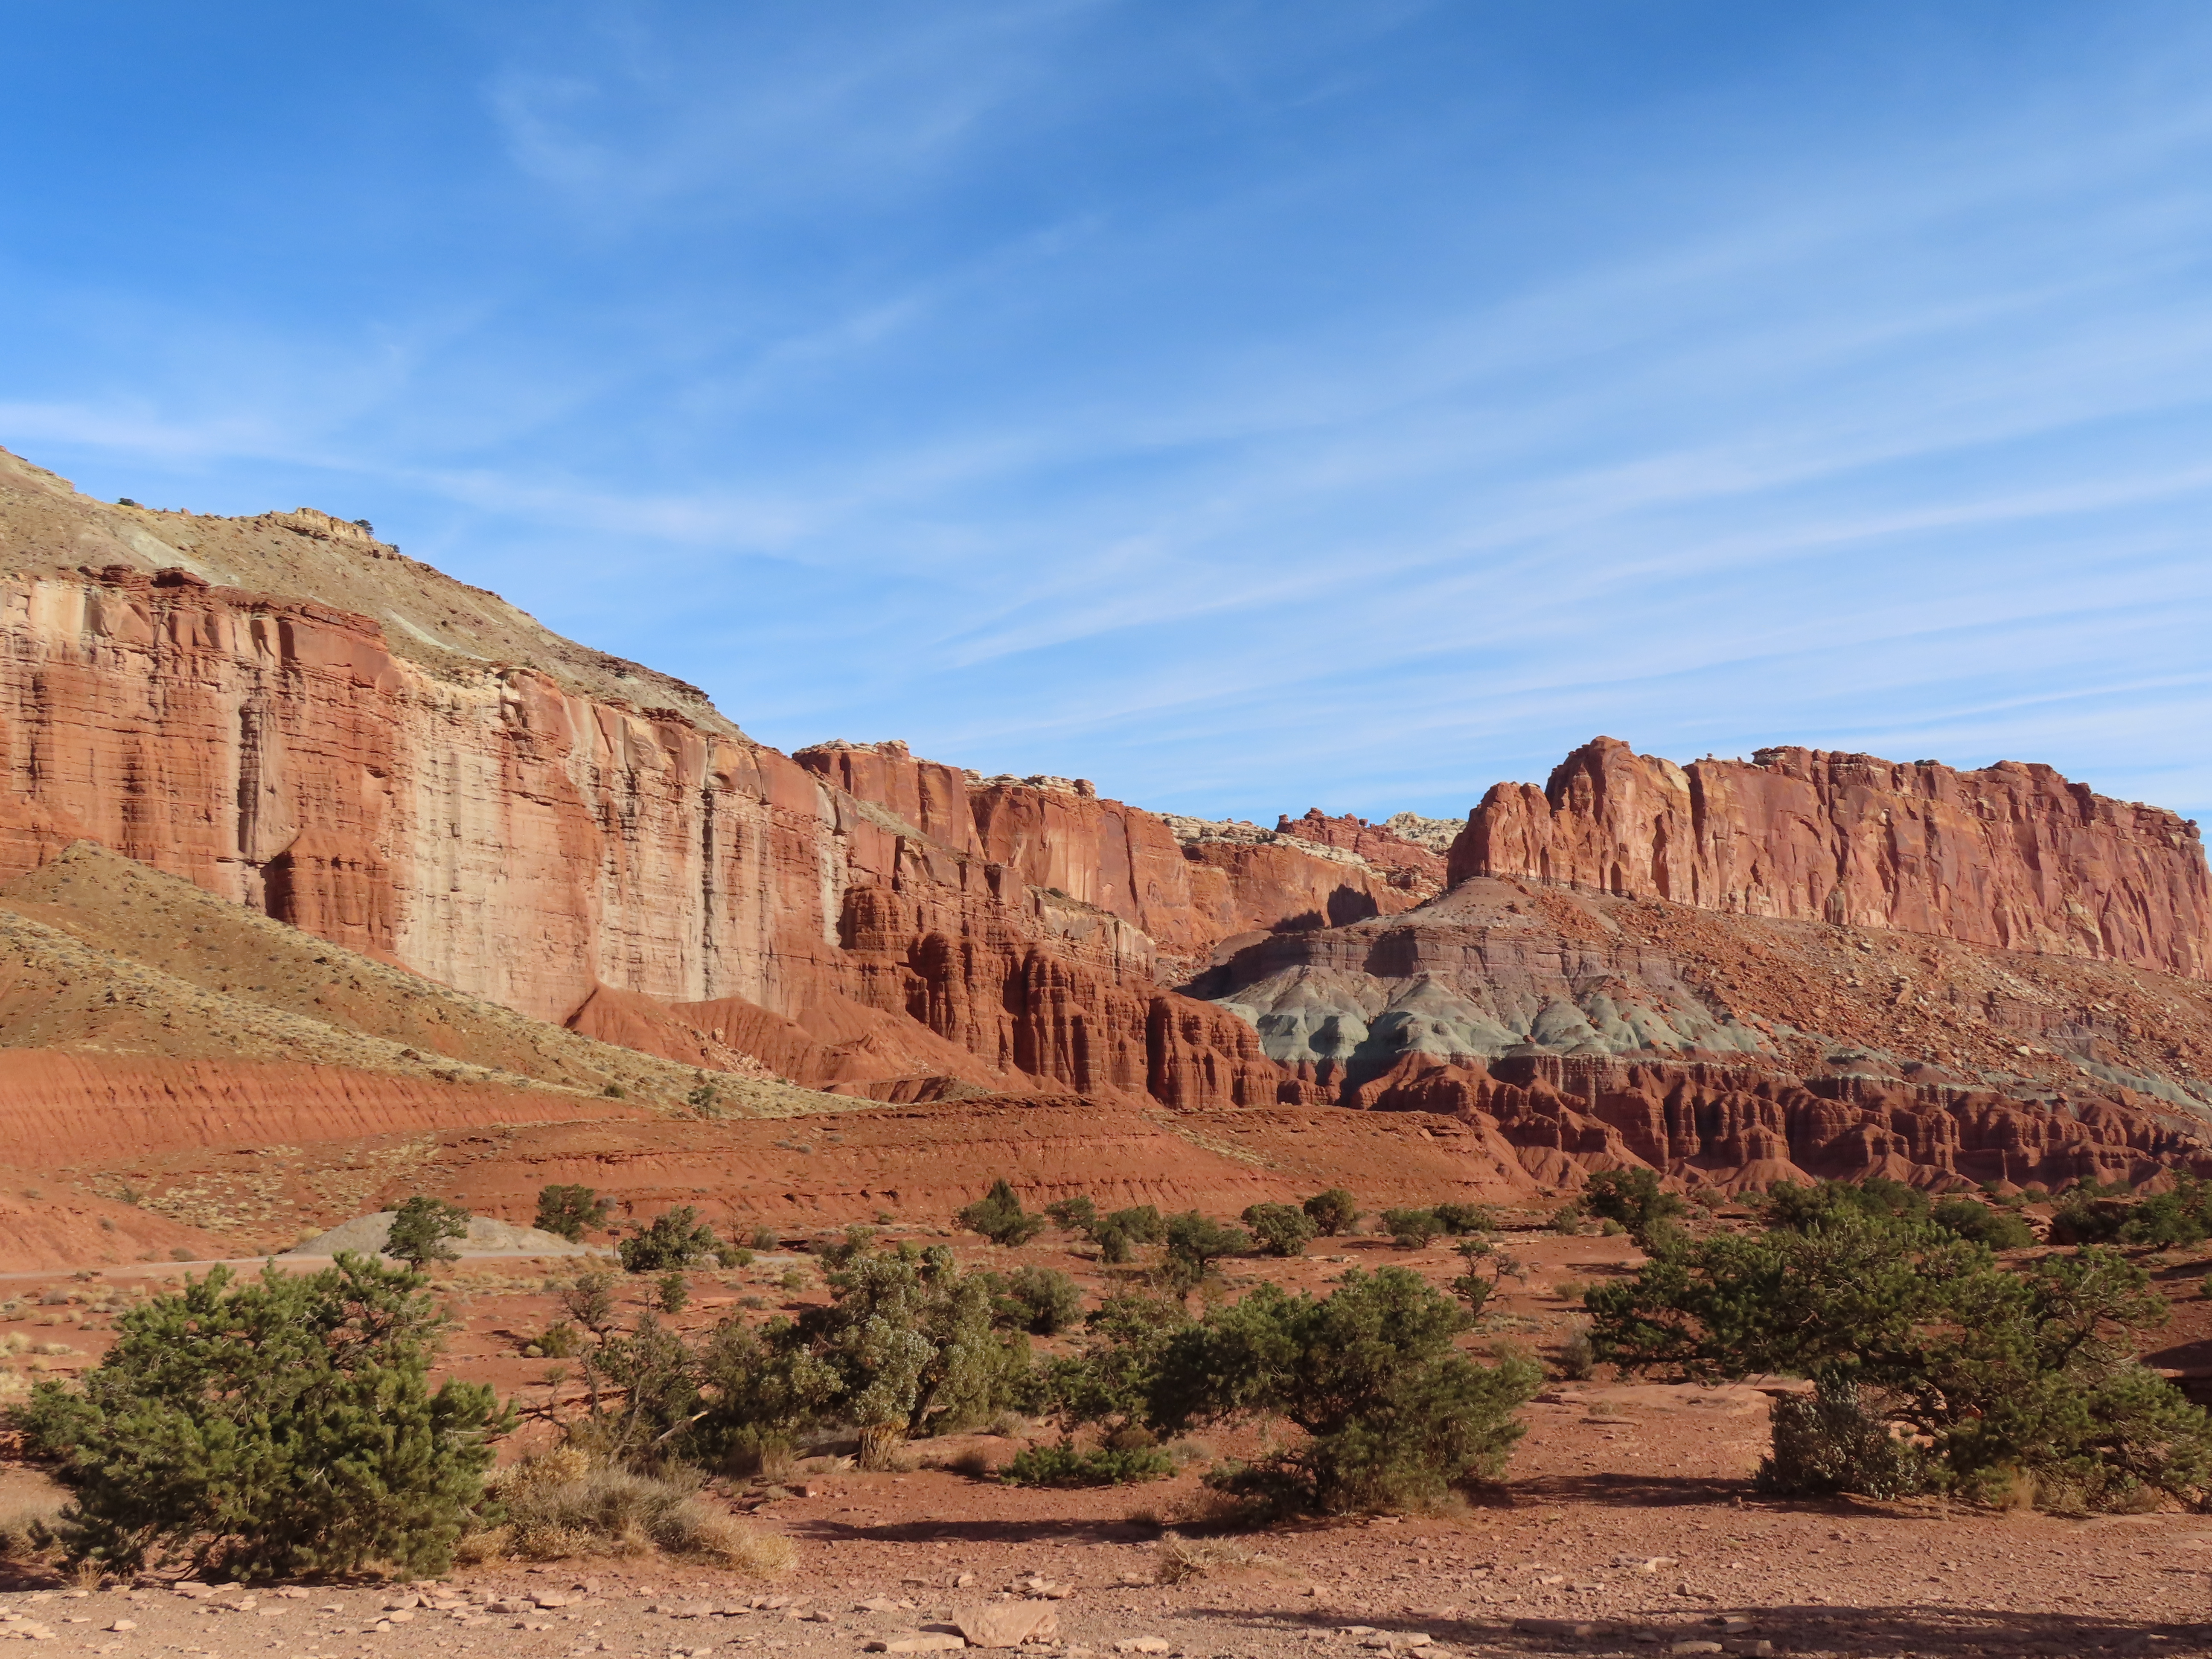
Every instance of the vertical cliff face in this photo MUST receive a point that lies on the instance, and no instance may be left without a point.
(2013, 856)
(423, 774)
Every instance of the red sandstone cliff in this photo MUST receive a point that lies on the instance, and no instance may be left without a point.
(426, 775)
(2013, 856)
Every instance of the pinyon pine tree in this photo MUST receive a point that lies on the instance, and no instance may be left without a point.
(282, 1426)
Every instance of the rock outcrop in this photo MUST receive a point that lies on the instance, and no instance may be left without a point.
(1422, 868)
(2012, 856)
(1586, 1030)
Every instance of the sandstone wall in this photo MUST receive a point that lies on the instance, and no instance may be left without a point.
(530, 844)
(2012, 855)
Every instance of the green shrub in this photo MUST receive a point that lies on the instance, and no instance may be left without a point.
(2087, 1218)
(675, 1240)
(1109, 1383)
(1194, 1242)
(2183, 1216)
(277, 1427)
(1828, 1442)
(1412, 1230)
(1462, 1219)
(1280, 1229)
(839, 1252)
(998, 1216)
(1117, 1234)
(1075, 1215)
(1393, 1414)
(767, 1238)
(672, 1293)
(1333, 1212)
(1065, 1465)
(1982, 1224)
(1791, 1207)
(571, 1212)
(1041, 1300)
(559, 1342)
(423, 1230)
(732, 1256)
(905, 1347)
(1635, 1199)
(1999, 1373)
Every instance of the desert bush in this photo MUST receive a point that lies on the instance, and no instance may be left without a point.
(1487, 1267)
(1577, 1356)
(2183, 1216)
(570, 1211)
(28, 1528)
(1042, 1301)
(1280, 1229)
(1117, 1234)
(1067, 1465)
(1791, 1207)
(998, 1216)
(1179, 1560)
(1982, 1224)
(563, 1503)
(1828, 1442)
(1333, 1212)
(422, 1231)
(1461, 1219)
(672, 1293)
(282, 1425)
(1997, 1371)
(839, 1252)
(589, 1299)
(1633, 1197)
(675, 1239)
(559, 1342)
(1109, 1383)
(1394, 1416)
(1411, 1229)
(905, 1347)
(1075, 1215)
(1194, 1242)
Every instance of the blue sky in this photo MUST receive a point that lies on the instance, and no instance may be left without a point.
(1247, 405)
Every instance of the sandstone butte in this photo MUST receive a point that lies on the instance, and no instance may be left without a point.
(1639, 963)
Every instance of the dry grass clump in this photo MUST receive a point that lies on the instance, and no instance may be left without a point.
(27, 1526)
(562, 1502)
(1182, 1559)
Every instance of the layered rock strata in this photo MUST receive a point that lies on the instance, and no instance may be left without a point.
(1586, 1030)
(2012, 856)
(516, 827)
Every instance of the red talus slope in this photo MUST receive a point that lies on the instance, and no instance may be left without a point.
(64, 1108)
(2012, 855)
